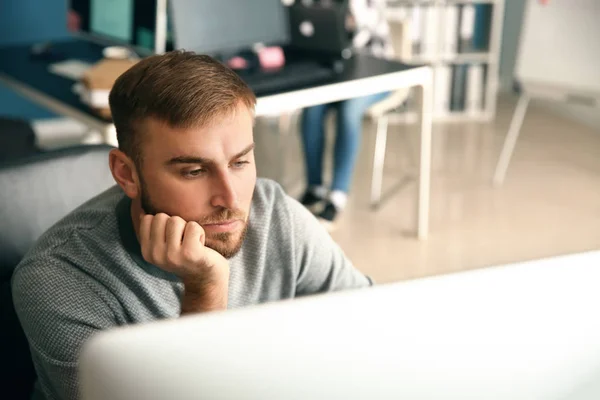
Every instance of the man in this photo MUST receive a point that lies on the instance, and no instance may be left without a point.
(188, 229)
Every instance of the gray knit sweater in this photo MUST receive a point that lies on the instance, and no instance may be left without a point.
(86, 274)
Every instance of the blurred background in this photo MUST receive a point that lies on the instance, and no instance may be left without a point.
(548, 204)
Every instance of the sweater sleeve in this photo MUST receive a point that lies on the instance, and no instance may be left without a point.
(58, 311)
(321, 264)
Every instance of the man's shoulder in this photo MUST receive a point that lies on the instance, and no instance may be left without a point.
(268, 195)
(266, 188)
(271, 206)
(94, 212)
(95, 219)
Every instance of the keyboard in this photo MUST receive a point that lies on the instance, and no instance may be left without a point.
(292, 76)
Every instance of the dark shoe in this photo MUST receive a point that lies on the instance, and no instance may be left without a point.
(328, 216)
(311, 201)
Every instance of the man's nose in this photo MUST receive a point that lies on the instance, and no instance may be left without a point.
(224, 194)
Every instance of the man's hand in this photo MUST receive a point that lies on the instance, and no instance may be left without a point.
(177, 246)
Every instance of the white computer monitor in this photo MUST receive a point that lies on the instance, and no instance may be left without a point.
(525, 331)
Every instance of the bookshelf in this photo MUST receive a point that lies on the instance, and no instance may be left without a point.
(461, 40)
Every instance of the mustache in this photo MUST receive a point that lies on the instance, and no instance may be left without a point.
(221, 216)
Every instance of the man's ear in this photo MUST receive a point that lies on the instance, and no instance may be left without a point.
(125, 173)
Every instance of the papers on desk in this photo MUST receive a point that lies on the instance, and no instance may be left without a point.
(94, 98)
(76, 70)
(70, 69)
(98, 80)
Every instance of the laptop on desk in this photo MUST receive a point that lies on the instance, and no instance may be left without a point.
(320, 29)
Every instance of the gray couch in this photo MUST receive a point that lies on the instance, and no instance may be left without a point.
(35, 192)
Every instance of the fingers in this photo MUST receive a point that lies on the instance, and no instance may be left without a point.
(158, 229)
(144, 234)
(175, 245)
(192, 247)
(193, 235)
(174, 232)
(155, 251)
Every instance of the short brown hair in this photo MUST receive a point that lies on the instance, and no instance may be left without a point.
(179, 88)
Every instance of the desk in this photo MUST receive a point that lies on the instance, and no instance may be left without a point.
(363, 75)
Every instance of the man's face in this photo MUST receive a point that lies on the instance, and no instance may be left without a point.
(204, 174)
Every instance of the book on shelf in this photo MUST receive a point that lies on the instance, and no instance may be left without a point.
(474, 89)
(416, 28)
(483, 21)
(459, 81)
(446, 35)
(430, 26)
(467, 28)
(449, 39)
(442, 89)
(446, 30)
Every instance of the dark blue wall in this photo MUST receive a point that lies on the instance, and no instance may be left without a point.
(26, 21)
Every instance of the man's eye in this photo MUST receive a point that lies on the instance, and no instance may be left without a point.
(193, 173)
(240, 164)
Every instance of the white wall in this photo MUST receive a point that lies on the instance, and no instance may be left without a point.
(513, 18)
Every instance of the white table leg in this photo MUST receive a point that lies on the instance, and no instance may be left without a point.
(511, 140)
(425, 95)
(378, 160)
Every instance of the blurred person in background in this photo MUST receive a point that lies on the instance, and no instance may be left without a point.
(370, 32)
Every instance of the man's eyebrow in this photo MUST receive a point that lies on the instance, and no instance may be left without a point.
(244, 152)
(187, 160)
(200, 160)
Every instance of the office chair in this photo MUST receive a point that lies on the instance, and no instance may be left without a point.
(35, 192)
(379, 112)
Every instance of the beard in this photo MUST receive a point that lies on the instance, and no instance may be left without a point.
(228, 244)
